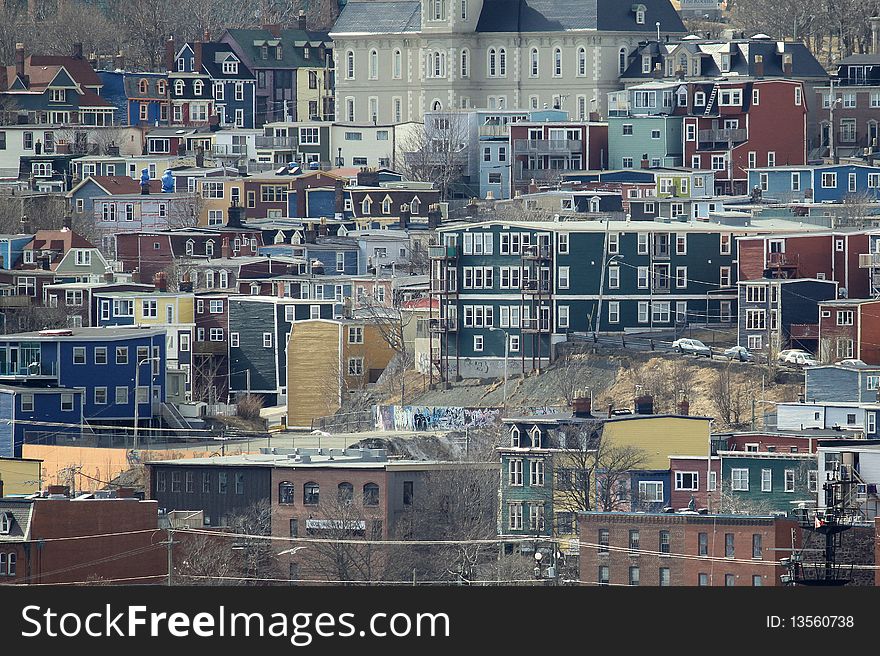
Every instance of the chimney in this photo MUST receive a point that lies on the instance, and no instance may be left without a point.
(433, 216)
(274, 29)
(207, 37)
(225, 250)
(136, 276)
(684, 408)
(236, 214)
(25, 226)
(170, 54)
(301, 20)
(19, 60)
(200, 157)
(108, 277)
(405, 215)
(125, 493)
(875, 34)
(644, 404)
(786, 64)
(59, 490)
(66, 223)
(582, 406)
(78, 50)
(759, 66)
(160, 281)
(197, 57)
(310, 235)
(472, 209)
(339, 196)
(145, 187)
(323, 229)
(185, 286)
(299, 185)
(119, 62)
(646, 164)
(657, 73)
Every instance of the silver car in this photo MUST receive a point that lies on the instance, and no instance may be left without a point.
(694, 346)
(740, 353)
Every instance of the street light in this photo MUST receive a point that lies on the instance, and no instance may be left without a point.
(137, 374)
(506, 354)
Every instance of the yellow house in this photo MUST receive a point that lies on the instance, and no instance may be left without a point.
(313, 94)
(20, 475)
(658, 436)
(326, 359)
(215, 195)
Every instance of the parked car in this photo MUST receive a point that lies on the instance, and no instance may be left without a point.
(784, 355)
(802, 359)
(694, 346)
(740, 353)
(852, 363)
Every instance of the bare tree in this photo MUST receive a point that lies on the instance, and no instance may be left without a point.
(437, 151)
(732, 396)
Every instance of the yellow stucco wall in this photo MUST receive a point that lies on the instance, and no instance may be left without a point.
(660, 436)
(20, 476)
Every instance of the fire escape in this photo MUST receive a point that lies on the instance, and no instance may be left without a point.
(537, 297)
(444, 287)
(846, 495)
(871, 262)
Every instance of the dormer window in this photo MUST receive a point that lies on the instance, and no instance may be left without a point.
(365, 205)
(230, 68)
(514, 436)
(181, 64)
(725, 62)
(178, 87)
(279, 54)
(646, 63)
(160, 87)
(535, 436)
(414, 206)
(264, 52)
(57, 95)
(639, 11)
(6, 523)
(198, 87)
(190, 246)
(306, 52)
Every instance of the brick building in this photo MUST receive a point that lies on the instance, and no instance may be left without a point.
(125, 544)
(679, 549)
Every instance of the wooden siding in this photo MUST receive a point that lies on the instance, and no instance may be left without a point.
(313, 371)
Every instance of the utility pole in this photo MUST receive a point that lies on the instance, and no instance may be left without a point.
(170, 544)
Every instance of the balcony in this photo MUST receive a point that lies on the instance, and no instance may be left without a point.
(276, 143)
(229, 150)
(442, 252)
(869, 260)
(536, 287)
(708, 138)
(444, 325)
(535, 252)
(805, 331)
(534, 325)
(16, 301)
(443, 286)
(494, 131)
(34, 370)
(209, 348)
(546, 146)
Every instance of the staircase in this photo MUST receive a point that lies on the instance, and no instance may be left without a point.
(171, 416)
(711, 101)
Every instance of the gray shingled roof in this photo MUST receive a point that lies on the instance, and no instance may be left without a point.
(379, 18)
(21, 514)
(560, 15)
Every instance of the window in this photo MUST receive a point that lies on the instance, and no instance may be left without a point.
(371, 494)
(407, 493)
(536, 472)
(603, 541)
(557, 62)
(311, 494)
(634, 540)
(121, 355)
(789, 480)
(829, 180)
(687, 481)
(729, 545)
(515, 516)
(766, 480)
(285, 492)
(651, 491)
(349, 65)
(739, 480)
(703, 544)
(222, 482)
(478, 343)
(355, 366)
(633, 575)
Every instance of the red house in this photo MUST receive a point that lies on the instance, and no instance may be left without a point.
(823, 255)
(850, 328)
(734, 124)
(689, 475)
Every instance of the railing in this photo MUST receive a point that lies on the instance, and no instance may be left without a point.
(16, 301)
(782, 260)
(546, 146)
(534, 325)
(869, 260)
(494, 130)
(443, 325)
(536, 286)
(288, 143)
(535, 252)
(442, 252)
(719, 136)
(11, 369)
(805, 331)
(347, 422)
(229, 149)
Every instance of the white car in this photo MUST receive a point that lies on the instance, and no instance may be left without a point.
(694, 346)
(801, 359)
(784, 356)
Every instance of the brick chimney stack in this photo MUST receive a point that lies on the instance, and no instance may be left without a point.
(78, 50)
(170, 54)
(301, 20)
(759, 66)
(160, 281)
(197, 57)
(19, 60)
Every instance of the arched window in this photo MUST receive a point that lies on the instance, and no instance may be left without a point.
(209, 248)
(683, 63)
(582, 61)
(285, 492)
(349, 65)
(492, 62)
(371, 494)
(374, 65)
(311, 493)
(178, 87)
(414, 206)
(345, 493)
(224, 279)
(365, 205)
(533, 63)
(396, 65)
(514, 436)
(594, 204)
(198, 87)
(190, 246)
(502, 62)
(386, 205)
(465, 63)
(621, 61)
(143, 86)
(436, 106)
(437, 12)
(535, 435)
(557, 62)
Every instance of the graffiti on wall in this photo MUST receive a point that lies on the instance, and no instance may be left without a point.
(422, 417)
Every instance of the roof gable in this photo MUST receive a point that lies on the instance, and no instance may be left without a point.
(62, 79)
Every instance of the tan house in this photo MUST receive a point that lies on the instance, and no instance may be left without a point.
(326, 360)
